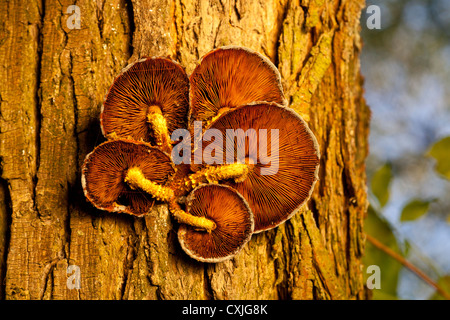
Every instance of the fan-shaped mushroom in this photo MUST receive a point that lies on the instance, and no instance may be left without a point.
(104, 173)
(148, 99)
(282, 173)
(232, 216)
(229, 77)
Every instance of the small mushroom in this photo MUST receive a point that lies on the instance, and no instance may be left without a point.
(278, 181)
(105, 170)
(148, 99)
(229, 77)
(232, 216)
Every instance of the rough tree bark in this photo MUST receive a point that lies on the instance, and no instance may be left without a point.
(53, 81)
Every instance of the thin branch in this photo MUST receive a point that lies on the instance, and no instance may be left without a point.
(409, 265)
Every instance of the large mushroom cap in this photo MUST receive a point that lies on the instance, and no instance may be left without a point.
(229, 77)
(288, 178)
(104, 171)
(140, 89)
(233, 219)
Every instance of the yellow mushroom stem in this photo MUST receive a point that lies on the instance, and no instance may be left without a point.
(158, 124)
(213, 174)
(186, 218)
(136, 180)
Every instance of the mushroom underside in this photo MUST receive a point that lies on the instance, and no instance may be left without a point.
(232, 216)
(104, 171)
(284, 157)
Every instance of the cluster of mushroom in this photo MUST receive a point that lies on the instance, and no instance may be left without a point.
(224, 202)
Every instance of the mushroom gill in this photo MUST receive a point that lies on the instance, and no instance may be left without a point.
(232, 216)
(282, 155)
(229, 77)
(147, 101)
(105, 168)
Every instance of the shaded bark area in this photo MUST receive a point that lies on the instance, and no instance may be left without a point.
(54, 82)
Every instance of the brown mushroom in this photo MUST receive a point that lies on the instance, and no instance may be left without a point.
(229, 77)
(282, 173)
(148, 99)
(105, 169)
(128, 176)
(233, 219)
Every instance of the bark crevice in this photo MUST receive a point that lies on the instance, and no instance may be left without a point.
(38, 99)
(131, 25)
(5, 231)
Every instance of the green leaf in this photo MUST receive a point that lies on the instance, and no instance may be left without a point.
(444, 283)
(440, 150)
(380, 184)
(414, 210)
(380, 295)
(379, 228)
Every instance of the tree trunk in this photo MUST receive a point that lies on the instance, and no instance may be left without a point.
(53, 81)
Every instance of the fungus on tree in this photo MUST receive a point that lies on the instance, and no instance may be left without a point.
(229, 77)
(137, 180)
(147, 101)
(105, 170)
(265, 180)
(233, 219)
(282, 156)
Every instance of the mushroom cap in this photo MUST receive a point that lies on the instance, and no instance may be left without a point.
(229, 77)
(233, 218)
(104, 171)
(147, 83)
(288, 182)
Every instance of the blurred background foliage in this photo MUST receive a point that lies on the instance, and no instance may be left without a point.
(406, 66)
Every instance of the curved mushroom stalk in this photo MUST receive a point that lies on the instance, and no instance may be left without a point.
(213, 174)
(136, 180)
(158, 124)
(199, 223)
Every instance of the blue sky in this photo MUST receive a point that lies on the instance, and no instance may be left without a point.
(406, 66)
